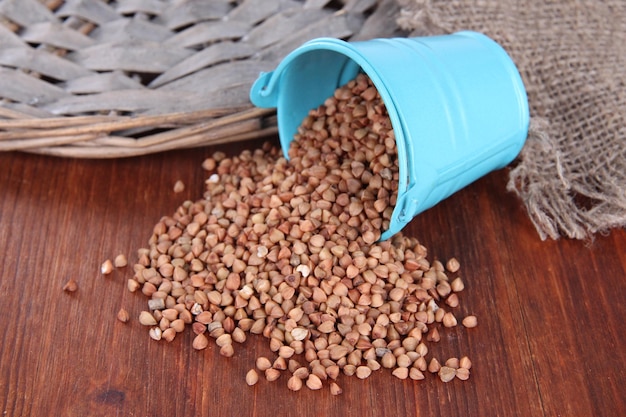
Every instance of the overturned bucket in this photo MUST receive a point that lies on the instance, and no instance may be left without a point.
(457, 105)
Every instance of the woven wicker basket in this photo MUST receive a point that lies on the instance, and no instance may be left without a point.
(107, 79)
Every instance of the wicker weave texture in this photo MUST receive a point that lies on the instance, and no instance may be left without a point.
(104, 79)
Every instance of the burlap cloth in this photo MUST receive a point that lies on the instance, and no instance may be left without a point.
(571, 174)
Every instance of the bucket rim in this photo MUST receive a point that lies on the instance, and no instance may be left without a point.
(350, 50)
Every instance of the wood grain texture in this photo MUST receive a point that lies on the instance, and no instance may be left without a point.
(550, 339)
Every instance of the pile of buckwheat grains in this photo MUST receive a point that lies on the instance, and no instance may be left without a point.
(289, 249)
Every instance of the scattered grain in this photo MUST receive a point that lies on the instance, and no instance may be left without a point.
(120, 261)
(179, 186)
(132, 285)
(156, 304)
(453, 265)
(178, 325)
(168, 334)
(465, 362)
(200, 342)
(463, 374)
(452, 363)
(155, 333)
(227, 351)
(289, 249)
(449, 320)
(363, 372)
(335, 389)
(263, 363)
(70, 286)
(401, 373)
(252, 377)
(147, 319)
(107, 267)
(123, 316)
(294, 383)
(433, 335)
(470, 322)
(313, 382)
(416, 374)
(225, 339)
(434, 366)
(446, 373)
(457, 285)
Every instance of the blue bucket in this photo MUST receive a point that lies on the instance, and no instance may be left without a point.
(457, 105)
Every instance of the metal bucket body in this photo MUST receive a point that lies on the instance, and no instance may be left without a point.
(456, 102)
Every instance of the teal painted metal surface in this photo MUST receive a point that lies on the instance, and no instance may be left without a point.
(457, 105)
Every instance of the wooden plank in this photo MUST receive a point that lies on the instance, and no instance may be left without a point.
(56, 35)
(131, 55)
(43, 62)
(24, 88)
(25, 12)
(214, 54)
(208, 32)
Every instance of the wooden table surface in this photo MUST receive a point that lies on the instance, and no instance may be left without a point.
(551, 338)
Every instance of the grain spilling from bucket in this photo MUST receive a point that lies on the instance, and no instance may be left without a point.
(289, 249)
